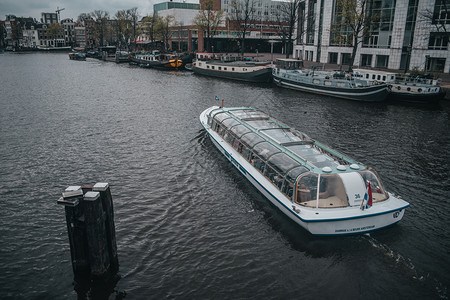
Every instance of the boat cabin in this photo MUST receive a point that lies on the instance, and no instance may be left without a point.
(304, 170)
(289, 63)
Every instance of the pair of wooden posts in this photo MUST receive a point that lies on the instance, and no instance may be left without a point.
(92, 237)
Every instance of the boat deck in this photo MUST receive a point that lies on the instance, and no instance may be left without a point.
(333, 201)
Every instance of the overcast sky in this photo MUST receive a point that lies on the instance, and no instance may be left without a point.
(73, 8)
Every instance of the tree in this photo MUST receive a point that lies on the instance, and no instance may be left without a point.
(148, 27)
(54, 31)
(123, 24)
(352, 24)
(162, 29)
(287, 19)
(208, 20)
(134, 15)
(438, 16)
(242, 13)
(301, 28)
(100, 17)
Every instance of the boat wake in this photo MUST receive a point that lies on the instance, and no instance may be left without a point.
(407, 266)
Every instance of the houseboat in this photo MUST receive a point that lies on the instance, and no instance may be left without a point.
(107, 53)
(226, 67)
(157, 61)
(122, 56)
(405, 87)
(322, 190)
(288, 74)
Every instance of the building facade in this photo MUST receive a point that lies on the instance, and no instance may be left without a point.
(69, 31)
(263, 29)
(404, 35)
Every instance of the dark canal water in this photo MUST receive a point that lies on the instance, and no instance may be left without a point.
(188, 224)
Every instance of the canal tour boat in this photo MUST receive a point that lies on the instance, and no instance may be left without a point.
(409, 88)
(225, 67)
(288, 74)
(322, 190)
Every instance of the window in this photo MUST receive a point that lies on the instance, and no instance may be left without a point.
(371, 41)
(438, 41)
(346, 58)
(441, 13)
(331, 192)
(378, 192)
(333, 57)
(366, 60)
(435, 64)
(382, 61)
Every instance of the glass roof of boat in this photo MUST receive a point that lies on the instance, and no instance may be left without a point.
(263, 123)
(281, 135)
(249, 114)
(284, 148)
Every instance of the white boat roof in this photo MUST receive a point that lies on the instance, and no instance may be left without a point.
(271, 137)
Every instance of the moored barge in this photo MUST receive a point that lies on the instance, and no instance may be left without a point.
(324, 191)
(234, 68)
(288, 74)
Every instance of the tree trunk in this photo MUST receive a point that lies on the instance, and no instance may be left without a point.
(355, 48)
(242, 44)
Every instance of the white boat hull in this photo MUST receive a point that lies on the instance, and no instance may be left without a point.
(318, 221)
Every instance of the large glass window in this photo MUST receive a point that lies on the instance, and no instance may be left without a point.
(382, 61)
(378, 192)
(438, 40)
(311, 22)
(366, 60)
(258, 162)
(290, 178)
(265, 150)
(331, 191)
(282, 135)
(264, 124)
(435, 64)
(250, 139)
(282, 163)
(307, 189)
(239, 130)
(248, 114)
(219, 117)
(333, 57)
(441, 13)
(228, 123)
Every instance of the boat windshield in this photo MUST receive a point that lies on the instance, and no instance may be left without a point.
(328, 193)
(378, 192)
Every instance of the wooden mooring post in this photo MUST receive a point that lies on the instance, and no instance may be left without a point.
(92, 236)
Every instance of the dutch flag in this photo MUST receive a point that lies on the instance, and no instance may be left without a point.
(367, 202)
